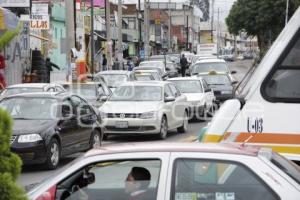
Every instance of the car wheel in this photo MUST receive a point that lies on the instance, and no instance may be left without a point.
(96, 139)
(184, 127)
(53, 154)
(163, 128)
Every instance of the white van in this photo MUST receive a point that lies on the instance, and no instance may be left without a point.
(267, 111)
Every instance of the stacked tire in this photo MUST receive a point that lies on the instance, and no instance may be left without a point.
(38, 66)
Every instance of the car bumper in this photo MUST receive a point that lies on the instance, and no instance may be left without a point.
(134, 126)
(30, 153)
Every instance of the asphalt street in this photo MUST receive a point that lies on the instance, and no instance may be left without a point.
(34, 174)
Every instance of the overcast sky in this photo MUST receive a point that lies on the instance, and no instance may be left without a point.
(223, 5)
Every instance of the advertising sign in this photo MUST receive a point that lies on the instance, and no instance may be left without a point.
(15, 3)
(39, 9)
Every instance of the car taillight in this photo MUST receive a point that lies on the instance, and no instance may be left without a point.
(48, 195)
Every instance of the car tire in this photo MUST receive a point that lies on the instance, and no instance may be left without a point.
(105, 137)
(163, 128)
(96, 139)
(184, 127)
(53, 154)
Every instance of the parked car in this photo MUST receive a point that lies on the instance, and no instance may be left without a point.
(145, 108)
(114, 78)
(94, 92)
(221, 85)
(174, 171)
(31, 88)
(48, 126)
(199, 97)
(154, 73)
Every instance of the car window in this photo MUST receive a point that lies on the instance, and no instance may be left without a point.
(282, 84)
(174, 90)
(207, 179)
(168, 92)
(113, 180)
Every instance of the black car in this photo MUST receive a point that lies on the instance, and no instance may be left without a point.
(48, 126)
(221, 84)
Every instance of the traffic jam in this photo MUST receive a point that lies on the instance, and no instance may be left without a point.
(249, 147)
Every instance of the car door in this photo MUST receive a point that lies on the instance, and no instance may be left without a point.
(85, 120)
(220, 176)
(106, 177)
(180, 104)
(169, 108)
(209, 95)
(67, 127)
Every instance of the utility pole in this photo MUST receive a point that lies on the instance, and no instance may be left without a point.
(92, 38)
(146, 24)
(120, 48)
(218, 32)
(108, 35)
(140, 26)
(212, 20)
(70, 28)
(170, 24)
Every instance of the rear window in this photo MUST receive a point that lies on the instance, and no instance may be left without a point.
(290, 168)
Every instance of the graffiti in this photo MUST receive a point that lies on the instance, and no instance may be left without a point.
(14, 51)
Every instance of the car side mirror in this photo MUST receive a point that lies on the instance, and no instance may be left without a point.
(233, 72)
(234, 82)
(103, 98)
(207, 90)
(169, 99)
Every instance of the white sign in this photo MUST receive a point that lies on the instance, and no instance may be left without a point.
(15, 3)
(209, 48)
(39, 22)
(39, 9)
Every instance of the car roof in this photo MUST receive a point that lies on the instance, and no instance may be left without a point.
(31, 85)
(59, 95)
(145, 83)
(114, 72)
(152, 61)
(222, 148)
(211, 60)
(145, 71)
(185, 78)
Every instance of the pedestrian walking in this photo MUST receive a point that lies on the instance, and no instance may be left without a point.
(104, 63)
(49, 68)
(183, 64)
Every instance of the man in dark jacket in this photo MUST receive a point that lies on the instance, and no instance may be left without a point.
(183, 64)
(49, 68)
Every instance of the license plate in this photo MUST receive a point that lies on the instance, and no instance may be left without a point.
(121, 124)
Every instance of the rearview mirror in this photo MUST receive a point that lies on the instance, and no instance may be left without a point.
(169, 99)
(233, 72)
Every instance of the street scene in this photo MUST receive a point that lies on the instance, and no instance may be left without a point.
(149, 99)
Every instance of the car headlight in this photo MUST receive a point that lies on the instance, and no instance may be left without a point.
(29, 138)
(226, 92)
(103, 115)
(147, 115)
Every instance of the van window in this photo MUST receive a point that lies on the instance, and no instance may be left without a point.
(213, 179)
(282, 85)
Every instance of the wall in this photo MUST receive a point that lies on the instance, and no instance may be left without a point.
(17, 58)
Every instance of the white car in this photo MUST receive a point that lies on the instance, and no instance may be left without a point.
(153, 64)
(199, 96)
(31, 88)
(208, 65)
(174, 171)
(114, 78)
(152, 107)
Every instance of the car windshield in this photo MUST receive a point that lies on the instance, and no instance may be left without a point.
(20, 90)
(30, 108)
(217, 80)
(208, 67)
(188, 86)
(87, 91)
(137, 93)
(143, 77)
(152, 64)
(114, 80)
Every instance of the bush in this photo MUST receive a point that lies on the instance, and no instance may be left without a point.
(10, 163)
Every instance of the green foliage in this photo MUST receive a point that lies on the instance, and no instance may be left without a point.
(261, 18)
(8, 36)
(10, 164)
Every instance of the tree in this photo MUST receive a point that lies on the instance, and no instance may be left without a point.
(10, 163)
(261, 18)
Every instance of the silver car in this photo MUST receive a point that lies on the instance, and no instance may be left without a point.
(114, 78)
(152, 107)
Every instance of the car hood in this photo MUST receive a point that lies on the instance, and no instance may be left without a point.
(31, 126)
(221, 87)
(130, 106)
(194, 96)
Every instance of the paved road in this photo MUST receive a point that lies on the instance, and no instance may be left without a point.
(34, 174)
